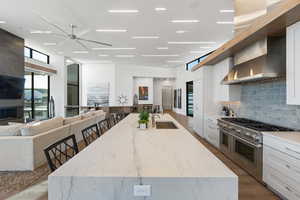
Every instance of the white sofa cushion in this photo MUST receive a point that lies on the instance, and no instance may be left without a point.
(70, 120)
(11, 130)
(41, 127)
(87, 115)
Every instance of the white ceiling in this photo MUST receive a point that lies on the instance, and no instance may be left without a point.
(23, 16)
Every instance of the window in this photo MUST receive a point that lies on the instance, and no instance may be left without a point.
(193, 63)
(34, 54)
(36, 93)
(190, 65)
(72, 90)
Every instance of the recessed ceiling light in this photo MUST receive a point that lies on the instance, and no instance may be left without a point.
(160, 9)
(2, 22)
(225, 22)
(145, 37)
(162, 48)
(40, 32)
(186, 21)
(201, 42)
(49, 44)
(151, 55)
(103, 55)
(123, 11)
(69, 61)
(112, 30)
(181, 32)
(175, 61)
(226, 11)
(106, 48)
(81, 52)
(206, 47)
(125, 56)
(197, 52)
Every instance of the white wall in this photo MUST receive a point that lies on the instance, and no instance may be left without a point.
(126, 73)
(143, 82)
(98, 73)
(183, 76)
(121, 78)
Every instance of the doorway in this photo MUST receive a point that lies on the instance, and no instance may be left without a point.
(190, 99)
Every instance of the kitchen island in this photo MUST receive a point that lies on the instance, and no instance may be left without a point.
(170, 164)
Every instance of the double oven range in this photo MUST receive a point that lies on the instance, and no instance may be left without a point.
(241, 140)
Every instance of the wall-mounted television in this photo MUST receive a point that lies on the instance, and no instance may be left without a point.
(11, 87)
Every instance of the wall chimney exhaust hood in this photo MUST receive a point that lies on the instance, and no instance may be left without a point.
(262, 60)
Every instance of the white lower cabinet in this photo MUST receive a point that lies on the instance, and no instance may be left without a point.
(281, 168)
(211, 131)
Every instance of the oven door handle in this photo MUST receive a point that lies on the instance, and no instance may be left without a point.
(243, 140)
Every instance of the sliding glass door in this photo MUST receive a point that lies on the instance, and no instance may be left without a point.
(36, 96)
(72, 90)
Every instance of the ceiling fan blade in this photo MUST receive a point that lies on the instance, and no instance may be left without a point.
(92, 41)
(54, 25)
(83, 33)
(81, 44)
(62, 42)
(59, 35)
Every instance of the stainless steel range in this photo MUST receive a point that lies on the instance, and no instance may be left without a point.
(241, 141)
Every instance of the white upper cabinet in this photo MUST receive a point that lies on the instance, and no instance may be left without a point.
(224, 92)
(293, 64)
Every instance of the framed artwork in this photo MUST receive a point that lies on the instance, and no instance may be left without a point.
(143, 93)
(98, 94)
(175, 98)
(179, 98)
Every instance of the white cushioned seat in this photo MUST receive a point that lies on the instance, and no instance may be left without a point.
(41, 127)
(70, 120)
(11, 130)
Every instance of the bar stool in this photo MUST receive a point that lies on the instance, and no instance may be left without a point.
(104, 126)
(61, 151)
(90, 134)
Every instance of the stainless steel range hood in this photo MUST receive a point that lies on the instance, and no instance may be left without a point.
(262, 60)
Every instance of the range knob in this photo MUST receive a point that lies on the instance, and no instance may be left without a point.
(255, 137)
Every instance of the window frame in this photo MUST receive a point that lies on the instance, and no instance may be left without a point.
(198, 59)
(32, 80)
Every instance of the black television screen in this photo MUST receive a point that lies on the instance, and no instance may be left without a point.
(11, 87)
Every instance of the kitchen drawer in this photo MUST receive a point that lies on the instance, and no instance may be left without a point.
(285, 164)
(281, 184)
(283, 146)
(213, 137)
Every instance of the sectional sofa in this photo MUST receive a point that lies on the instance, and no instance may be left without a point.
(22, 145)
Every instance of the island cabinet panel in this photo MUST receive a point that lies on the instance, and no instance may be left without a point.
(281, 167)
(293, 64)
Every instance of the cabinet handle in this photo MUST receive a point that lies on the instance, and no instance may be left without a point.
(288, 166)
(289, 149)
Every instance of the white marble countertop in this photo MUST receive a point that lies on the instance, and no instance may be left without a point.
(126, 151)
(291, 137)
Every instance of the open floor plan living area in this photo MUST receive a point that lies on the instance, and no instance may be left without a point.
(150, 100)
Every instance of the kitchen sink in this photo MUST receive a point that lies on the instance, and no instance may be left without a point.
(166, 125)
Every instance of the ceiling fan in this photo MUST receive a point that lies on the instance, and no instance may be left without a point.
(72, 36)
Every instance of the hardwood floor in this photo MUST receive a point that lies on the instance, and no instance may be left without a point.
(249, 188)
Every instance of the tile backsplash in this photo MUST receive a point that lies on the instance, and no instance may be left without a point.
(266, 102)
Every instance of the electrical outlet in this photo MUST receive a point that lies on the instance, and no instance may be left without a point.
(142, 190)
